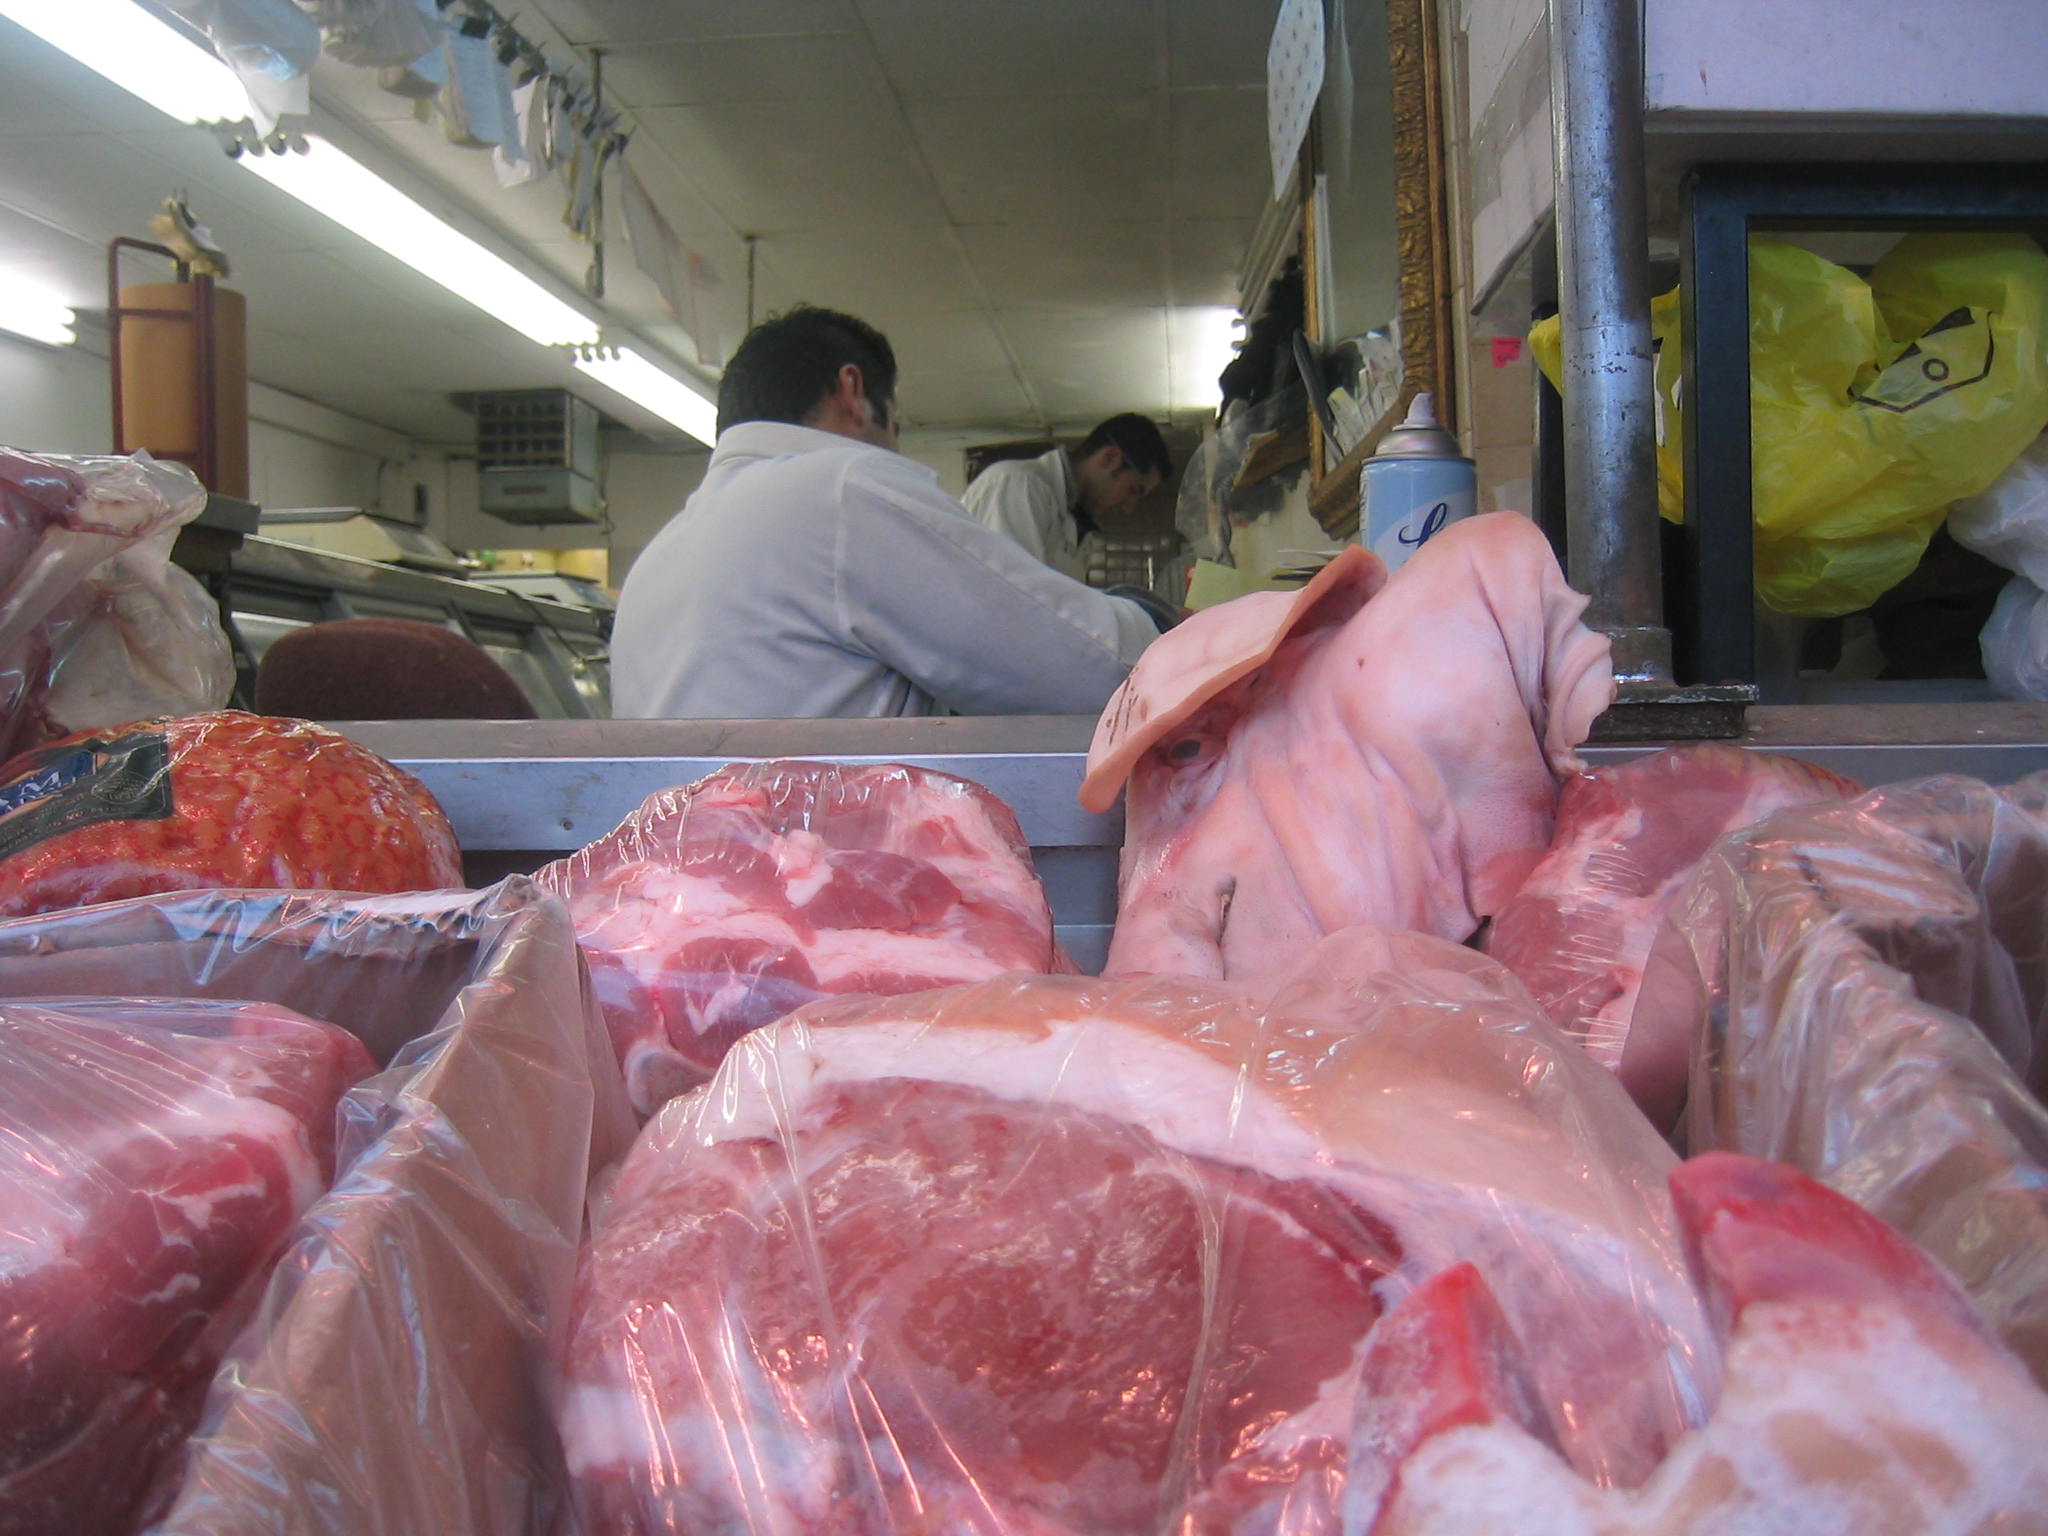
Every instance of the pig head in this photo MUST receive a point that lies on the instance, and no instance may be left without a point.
(1367, 750)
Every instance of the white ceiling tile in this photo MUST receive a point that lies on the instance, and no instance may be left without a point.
(1085, 365)
(1075, 262)
(1220, 165)
(1207, 254)
(1012, 159)
(940, 52)
(771, 166)
(878, 274)
(827, 67)
(1223, 44)
(663, 21)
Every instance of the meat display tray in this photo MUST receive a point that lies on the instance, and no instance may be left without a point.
(523, 792)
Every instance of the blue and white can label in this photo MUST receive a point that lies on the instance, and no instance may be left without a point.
(1408, 501)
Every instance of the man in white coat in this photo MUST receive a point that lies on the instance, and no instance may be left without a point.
(1049, 505)
(818, 572)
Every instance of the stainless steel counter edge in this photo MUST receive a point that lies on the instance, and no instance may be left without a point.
(553, 785)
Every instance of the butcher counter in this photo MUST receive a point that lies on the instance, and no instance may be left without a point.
(523, 792)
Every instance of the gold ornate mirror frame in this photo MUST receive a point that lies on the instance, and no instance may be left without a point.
(1422, 240)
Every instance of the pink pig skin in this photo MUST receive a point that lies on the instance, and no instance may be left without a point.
(1367, 751)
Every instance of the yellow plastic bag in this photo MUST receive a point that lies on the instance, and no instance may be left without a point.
(1873, 405)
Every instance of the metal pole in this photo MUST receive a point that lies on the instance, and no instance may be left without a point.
(1610, 453)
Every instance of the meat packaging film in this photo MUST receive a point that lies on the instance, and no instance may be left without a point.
(153, 1158)
(1055, 1253)
(1864, 989)
(721, 905)
(96, 625)
(390, 1379)
(218, 800)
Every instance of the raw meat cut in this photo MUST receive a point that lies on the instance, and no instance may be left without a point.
(1579, 930)
(96, 625)
(1350, 754)
(1864, 990)
(1053, 1254)
(155, 1155)
(723, 905)
(216, 801)
(1862, 1395)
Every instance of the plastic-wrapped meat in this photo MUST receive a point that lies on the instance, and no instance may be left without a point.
(1864, 989)
(153, 1157)
(215, 801)
(1579, 930)
(1050, 1254)
(96, 625)
(1862, 1395)
(1365, 751)
(723, 905)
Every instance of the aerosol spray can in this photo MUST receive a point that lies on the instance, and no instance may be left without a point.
(1414, 485)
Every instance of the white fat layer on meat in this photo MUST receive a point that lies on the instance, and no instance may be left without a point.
(40, 1220)
(800, 861)
(1836, 1421)
(1184, 1099)
(946, 953)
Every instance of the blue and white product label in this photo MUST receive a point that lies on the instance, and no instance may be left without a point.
(1409, 501)
(55, 790)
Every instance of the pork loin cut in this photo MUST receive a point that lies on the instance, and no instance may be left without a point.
(1369, 751)
(719, 907)
(1862, 1394)
(1054, 1255)
(1579, 930)
(154, 1157)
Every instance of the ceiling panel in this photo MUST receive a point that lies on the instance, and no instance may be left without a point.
(1044, 48)
(772, 166)
(1223, 44)
(1207, 254)
(818, 67)
(1220, 166)
(1085, 365)
(662, 21)
(1052, 159)
(875, 272)
(1076, 262)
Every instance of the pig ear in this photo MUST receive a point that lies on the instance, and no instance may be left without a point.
(1196, 660)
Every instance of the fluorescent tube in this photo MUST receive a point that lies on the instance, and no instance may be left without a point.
(628, 373)
(1202, 341)
(326, 179)
(139, 53)
(35, 313)
(129, 46)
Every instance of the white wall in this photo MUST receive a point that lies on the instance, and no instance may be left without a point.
(53, 399)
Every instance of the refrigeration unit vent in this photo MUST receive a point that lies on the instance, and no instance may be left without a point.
(536, 453)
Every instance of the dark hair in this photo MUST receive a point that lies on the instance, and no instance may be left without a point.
(1136, 438)
(789, 363)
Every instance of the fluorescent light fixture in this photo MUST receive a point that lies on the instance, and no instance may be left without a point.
(355, 197)
(142, 55)
(628, 373)
(1201, 343)
(35, 313)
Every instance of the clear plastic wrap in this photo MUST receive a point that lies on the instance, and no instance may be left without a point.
(153, 1157)
(1864, 990)
(722, 905)
(96, 625)
(1579, 930)
(216, 801)
(1052, 1254)
(1863, 1394)
(390, 1381)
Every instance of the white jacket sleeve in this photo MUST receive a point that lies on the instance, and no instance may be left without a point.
(1019, 506)
(969, 617)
